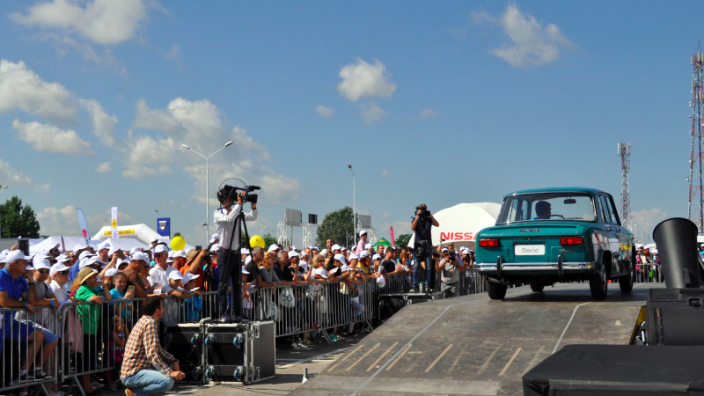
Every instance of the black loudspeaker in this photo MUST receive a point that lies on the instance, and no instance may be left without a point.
(185, 342)
(313, 218)
(675, 317)
(677, 242)
(23, 245)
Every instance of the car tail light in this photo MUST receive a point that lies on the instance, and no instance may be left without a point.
(489, 242)
(565, 241)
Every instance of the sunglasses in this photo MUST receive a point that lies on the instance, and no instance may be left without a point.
(43, 271)
(64, 273)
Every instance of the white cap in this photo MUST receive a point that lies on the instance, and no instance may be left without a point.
(354, 256)
(39, 257)
(247, 260)
(47, 250)
(41, 264)
(324, 252)
(214, 238)
(175, 275)
(57, 268)
(293, 253)
(335, 247)
(160, 249)
(368, 246)
(134, 250)
(139, 256)
(293, 247)
(112, 251)
(344, 249)
(3, 255)
(273, 247)
(304, 264)
(83, 263)
(155, 239)
(179, 253)
(341, 258)
(315, 248)
(381, 282)
(78, 247)
(63, 258)
(244, 251)
(189, 277)
(121, 262)
(104, 245)
(362, 232)
(215, 248)
(85, 254)
(345, 268)
(364, 254)
(16, 255)
(111, 272)
(322, 272)
(376, 257)
(445, 250)
(170, 257)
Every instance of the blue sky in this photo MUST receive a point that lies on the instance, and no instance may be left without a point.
(435, 102)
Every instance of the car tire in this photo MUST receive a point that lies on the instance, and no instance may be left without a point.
(537, 287)
(626, 282)
(497, 291)
(598, 284)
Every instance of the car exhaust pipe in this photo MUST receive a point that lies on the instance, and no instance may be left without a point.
(677, 242)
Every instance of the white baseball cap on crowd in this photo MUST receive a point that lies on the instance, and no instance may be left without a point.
(189, 277)
(293, 247)
(353, 257)
(111, 272)
(85, 254)
(170, 257)
(63, 258)
(3, 255)
(304, 264)
(139, 256)
(41, 264)
(321, 272)
(293, 253)
(57, 268)
(155, 239)
(376, 257)
(273, 247)
(244, 251)
(335, 247)
(344, 249)
(364, 254)
(324, 252)
(179, 254)
(362, 232)
(215, 248)
(39, 257)
(341, 258)
(368, 246)
(315, 248)
(104, 245)
(160, 249)
(175, 275)
(121, 262)
(214, 238)
(134, 250)
(77, 248)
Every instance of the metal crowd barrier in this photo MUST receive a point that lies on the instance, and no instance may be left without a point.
(649, 273)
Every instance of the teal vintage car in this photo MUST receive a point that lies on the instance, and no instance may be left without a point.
(550, 235)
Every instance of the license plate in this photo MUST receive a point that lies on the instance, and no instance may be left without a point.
(529, 250)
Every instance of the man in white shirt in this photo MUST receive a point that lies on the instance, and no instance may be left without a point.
(229, 256)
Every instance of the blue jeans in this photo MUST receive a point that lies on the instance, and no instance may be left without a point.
(148, 382)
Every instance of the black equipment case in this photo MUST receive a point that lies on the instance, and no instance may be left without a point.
(675, 317)
(185, 342)
(241, 352)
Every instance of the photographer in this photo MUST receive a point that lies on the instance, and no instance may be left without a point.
(450, 268)
(421, 225)
(229, 261)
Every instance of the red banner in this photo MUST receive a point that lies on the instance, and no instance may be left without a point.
(393, 243)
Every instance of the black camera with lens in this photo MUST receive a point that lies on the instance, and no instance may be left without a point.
(424, 212)
(231, 193)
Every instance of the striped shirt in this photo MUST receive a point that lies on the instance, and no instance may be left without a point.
(143, 350)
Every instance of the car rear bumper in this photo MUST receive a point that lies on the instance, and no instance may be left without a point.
(539, 268)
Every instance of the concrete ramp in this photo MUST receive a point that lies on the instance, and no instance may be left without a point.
(475, 346)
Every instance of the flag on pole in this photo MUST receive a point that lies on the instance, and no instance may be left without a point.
(115, 234)
(393, 242)
(84, 225)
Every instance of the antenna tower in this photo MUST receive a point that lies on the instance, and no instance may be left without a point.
(624, 150)
(695, 209)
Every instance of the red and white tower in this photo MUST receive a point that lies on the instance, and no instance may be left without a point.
(624, 150)
(695, 210)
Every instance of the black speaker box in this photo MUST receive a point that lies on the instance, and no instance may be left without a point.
(675, 317)
(185, 342)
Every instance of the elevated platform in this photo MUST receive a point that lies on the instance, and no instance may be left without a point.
(475, 346)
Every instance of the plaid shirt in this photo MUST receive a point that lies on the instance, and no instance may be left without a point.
(143, 350)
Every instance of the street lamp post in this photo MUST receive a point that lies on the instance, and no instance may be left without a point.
(207, 185)
(354, 200)
(2, 188)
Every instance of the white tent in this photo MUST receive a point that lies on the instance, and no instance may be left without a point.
(67, 243)
(460, 224)
(139, 232)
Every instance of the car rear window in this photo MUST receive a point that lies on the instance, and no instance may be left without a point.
(544, 206)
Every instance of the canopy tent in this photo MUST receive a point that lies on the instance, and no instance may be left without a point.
(383, 242)
(139, 232)
(460, 224)
(67, 243)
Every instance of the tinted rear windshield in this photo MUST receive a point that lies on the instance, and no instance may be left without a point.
(547, 206)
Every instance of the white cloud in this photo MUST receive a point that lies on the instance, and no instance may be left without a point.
(384, 173)
(105, 167)
(58, 221)
(428, 113)
(64, 44)
(532, 43)
(174, 54)
(13, 177)
(324, 111)
(21, 88)
(648, 217)
(365, 80)
(103, 124)
(105, 22)
(371, 113)
(51, 139)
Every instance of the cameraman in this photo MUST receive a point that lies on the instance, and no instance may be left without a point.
(229, 259)
(421, 225)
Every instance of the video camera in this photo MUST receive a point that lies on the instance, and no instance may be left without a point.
(424, 212)
(231, 193)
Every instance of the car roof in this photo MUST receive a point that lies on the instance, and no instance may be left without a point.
(557, 189)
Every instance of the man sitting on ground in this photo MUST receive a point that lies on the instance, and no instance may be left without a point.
(147, 368)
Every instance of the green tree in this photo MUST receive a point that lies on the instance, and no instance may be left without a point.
(337, 225)
(17, 220)
(402, 240)
(177, 234)
(268, 240)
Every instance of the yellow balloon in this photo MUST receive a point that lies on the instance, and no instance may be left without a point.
(256, 241)
(178, 243)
